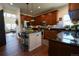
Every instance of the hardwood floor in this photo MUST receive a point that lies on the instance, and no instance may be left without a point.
(13, 48)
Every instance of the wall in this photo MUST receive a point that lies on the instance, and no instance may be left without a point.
(19, 21)
(62, 11)
(1, 7)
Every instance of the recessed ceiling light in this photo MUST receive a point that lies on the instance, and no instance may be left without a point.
(38, 6)
(11, 3)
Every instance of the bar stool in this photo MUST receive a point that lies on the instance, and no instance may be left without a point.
(24, 40)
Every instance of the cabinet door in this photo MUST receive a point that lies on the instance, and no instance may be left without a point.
(50, 34)
(34, 40)
(38, 38)
(74, 50)
(58, 49)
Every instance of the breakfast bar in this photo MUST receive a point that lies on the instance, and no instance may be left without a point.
(66, 43)
(31, 40)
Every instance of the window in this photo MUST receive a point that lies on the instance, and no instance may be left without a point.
(5, 14)
(10, 24)
(13, 16)
(10, 15)
(67, 20)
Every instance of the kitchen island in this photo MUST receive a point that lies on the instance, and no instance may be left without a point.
(32, 40)
(65, 44)
(35, 40)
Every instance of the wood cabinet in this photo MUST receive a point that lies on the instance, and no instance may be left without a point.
(25, 18)
(38, 20)
(73, 6)
(50, 18)
(50, 34)
(62, 49)
(74, 11)
(58, 49)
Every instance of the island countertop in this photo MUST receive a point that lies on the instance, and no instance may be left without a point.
(64, 45)
(66, 38)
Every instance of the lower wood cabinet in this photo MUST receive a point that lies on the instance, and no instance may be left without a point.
(62, 49)
(50, 34)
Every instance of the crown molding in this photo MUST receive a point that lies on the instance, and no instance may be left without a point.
(26, 14)
(45, 11)
(50, 10)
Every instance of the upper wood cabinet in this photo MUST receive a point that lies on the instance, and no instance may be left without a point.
(74, 11)
(37, 20)
(50, 18)
(27, 18)
(73, 6)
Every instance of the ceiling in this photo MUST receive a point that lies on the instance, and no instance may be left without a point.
(36, 8)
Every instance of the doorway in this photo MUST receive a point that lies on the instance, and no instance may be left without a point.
(10, 28)
(10, 22)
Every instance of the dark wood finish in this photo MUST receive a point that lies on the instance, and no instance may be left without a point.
(57, 48)
(25, 18)
(28, 18)
(2, 29)
(50, 34)
(74, 11)
(73, 6)
(50, 18)
(38, 20)
(75, 50)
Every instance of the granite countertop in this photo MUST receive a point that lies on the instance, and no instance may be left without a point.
(34, 32)
(28, 32)
(63, 29)
(66, 38)
(57, 29)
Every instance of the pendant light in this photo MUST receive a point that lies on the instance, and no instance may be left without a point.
(33, 19)
(27, 7)
(27, 10)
